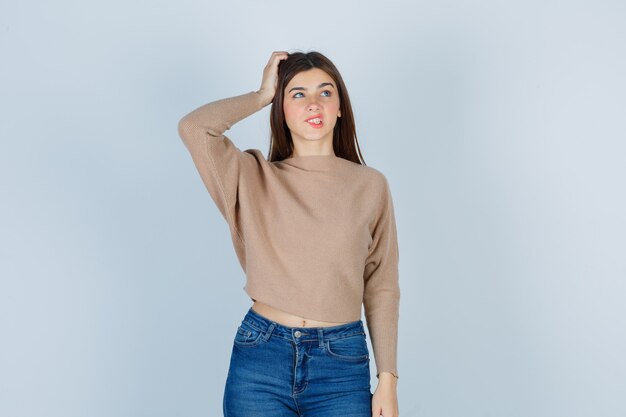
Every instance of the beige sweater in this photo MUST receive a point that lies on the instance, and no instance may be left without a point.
(315, 235)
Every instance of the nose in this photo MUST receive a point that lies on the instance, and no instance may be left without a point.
(313, 105)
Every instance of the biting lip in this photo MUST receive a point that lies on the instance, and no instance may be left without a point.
(314, 117)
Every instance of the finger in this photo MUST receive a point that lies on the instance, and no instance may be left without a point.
(278, 54)
(278, 57)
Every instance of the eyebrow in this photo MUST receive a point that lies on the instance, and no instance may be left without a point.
(319, 86)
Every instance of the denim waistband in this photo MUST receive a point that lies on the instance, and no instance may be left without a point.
(303, 334)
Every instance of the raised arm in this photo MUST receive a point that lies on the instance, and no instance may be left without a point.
(220, 163)
(223, 167)
(215, 118)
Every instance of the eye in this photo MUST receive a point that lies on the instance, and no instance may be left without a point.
(325, 91)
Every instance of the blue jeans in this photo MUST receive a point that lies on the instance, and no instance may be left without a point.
(279, 371)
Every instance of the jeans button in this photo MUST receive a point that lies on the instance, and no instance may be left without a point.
(297, 333)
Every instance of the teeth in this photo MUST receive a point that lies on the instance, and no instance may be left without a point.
(316, 121)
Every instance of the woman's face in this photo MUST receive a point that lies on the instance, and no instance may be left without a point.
(311, 93)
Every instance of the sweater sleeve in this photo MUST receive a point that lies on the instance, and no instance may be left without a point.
(381, 297)
(220, 163)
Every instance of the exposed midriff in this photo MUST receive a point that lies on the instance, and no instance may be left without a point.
(287, 319)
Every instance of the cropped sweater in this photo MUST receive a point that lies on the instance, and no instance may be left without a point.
(315, 235)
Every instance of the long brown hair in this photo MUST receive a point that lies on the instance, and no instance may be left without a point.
(345, 143)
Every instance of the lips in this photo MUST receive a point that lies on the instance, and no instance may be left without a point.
(315, 125)
(314, 117)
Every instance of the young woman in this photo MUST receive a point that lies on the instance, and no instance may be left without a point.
(314, 230)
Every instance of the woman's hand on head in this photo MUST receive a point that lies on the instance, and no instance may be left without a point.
(270, 76)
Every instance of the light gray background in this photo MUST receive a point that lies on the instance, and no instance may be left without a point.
(501, 129)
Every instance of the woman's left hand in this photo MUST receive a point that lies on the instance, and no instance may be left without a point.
(385, 399)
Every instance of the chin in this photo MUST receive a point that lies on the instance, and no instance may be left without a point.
(309, 136)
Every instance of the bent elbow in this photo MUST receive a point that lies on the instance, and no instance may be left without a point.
(184, 129)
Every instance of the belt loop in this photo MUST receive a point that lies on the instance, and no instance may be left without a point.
(320, 337)
(269, 331)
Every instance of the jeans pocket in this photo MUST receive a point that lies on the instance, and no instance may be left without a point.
(350, 348)
(247, 335)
